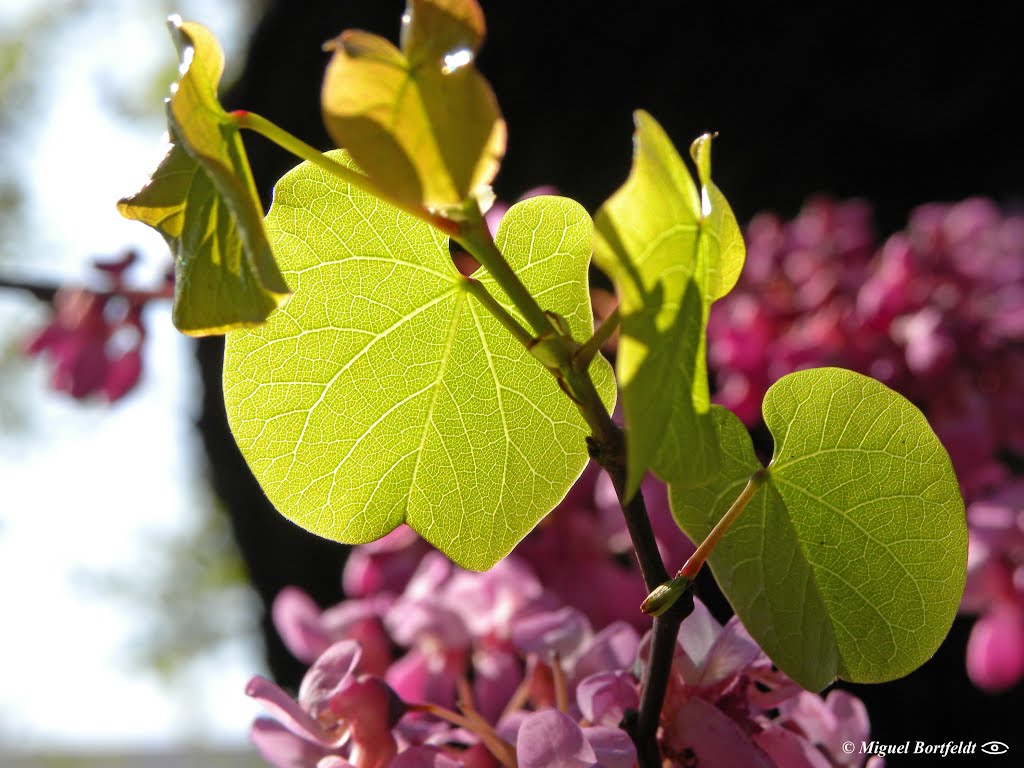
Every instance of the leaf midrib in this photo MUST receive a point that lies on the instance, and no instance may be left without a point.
(442, 367)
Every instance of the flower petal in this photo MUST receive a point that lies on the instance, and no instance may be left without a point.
(612, 746)
(288, 712)
(604, 698)
(716, 740)
(995, 650)
(329, 675)
(550, 739)
(297, 619)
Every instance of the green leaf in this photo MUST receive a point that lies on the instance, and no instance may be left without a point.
(202, 199)
(850, 560)
(671, 250)
(721, 241)
(384, 392)
(421, 121)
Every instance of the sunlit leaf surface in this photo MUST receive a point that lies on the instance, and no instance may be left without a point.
(384, 392)
(203, 201)
(850, 561)
(420, 120)
(672, 249)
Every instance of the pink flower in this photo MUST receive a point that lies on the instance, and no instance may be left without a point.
(995, 650)
(307, 631)
(94, 340)
(338, 711)
(523, 669)
(384, 565)
(828, 724)
(75, 342)
(550, 739)
(995, 589)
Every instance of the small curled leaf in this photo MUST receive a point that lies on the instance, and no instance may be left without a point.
(203, 200)
(420, 121)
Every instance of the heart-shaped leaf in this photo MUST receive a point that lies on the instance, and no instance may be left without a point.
(202, 199)
(385, 392)
(850, 559)
(671, 250)
(421, 121)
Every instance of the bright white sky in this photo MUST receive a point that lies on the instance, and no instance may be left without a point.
(87, 489)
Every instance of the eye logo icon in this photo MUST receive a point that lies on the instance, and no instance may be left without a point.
(994, 748)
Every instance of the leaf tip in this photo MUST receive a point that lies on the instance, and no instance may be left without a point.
(700, 151)
(632, 485)
(641, 117)
(181, 38)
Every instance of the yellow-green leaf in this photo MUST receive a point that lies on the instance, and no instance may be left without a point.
(849, 561)
(671, 249)
(421, 121)
(385, 391)
(202, 199)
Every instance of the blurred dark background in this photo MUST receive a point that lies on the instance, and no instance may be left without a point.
(901, 105)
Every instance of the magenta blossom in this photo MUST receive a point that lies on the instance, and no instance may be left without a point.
(551, 739)
(506, 668)
(338, 712)
(995, 589)
(94, 340)
(722, 694)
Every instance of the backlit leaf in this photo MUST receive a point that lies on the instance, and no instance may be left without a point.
(421, 121)
(384, 392)
(671, 249)
(202, 199)
(850, 560)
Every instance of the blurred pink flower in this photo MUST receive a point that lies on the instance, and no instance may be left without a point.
(94, 339)
(337, 709)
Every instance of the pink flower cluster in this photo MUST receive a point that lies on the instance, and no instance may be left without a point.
(94, 340)
(995, 588)
(937, 313)
(531, 664)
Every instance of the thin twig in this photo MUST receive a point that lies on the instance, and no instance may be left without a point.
(519, 698)
(561, 688)
(643, 726)
(466, 700)
(41, 291)
(504, 752)
(47, 292)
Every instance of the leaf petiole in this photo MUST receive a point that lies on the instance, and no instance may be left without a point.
(693, 565)
(592, 346)
(253, 122)
(665, 595)
(474, 236)
(478, 290)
